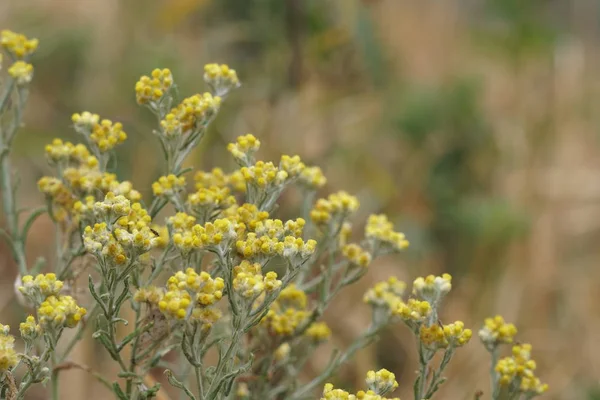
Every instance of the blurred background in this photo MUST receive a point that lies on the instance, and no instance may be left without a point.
(472, 123)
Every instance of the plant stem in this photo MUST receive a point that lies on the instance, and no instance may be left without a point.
(494, 374)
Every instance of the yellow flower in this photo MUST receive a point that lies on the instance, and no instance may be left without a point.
(17, 44)
(312, 177)
(22, 72)
(106, 135)
(456, 334)
(8, 356)
(386, 294)
(432, 288)
(152, 88)
(221, 78)
(330, 393)
(433, 336)
(249, 281)
(168, 185)
(318, 332)
(382, 381)
(85, 121)
(60, 311)
(41, 286)
(496, 331)
(337, 205)
(244, 147)
(357, 255)
(292, 165)
(29, 329)
(380, 230)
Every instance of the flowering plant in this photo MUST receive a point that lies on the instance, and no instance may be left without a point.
(209, 269)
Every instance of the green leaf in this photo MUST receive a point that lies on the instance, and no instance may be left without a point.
(175, 383)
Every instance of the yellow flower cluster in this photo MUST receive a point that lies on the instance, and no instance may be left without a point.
(436, 336)
(380, 230)
(152, 88)
(168, 185)
(188, 237)
(106, 135)
(40, 287)
(190, 115)
(496, 331)
(86, 121)
(249, 281)
(244, 147)
(8, 356)
(221, 77)
(264, 175)
(59, 311)
(288, 312)
(382, 381)
(386, 294)
(313, 178)
(520, 368)
(207, 200)
(22, 72)
(357, 255)
(337, 205)
(112, 206)
(30, 329)
(63, 153)
(379, 383)
(318, 332)
(293, 165)
(177, 301)
(296, 250)
(432, 288)
(17, 44)
(413, 311)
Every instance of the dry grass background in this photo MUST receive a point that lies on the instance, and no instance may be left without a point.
(332, 86)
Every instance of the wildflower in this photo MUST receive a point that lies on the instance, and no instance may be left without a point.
(150, 89)
(59, 311)
(330, 393)
(208, 290)
(8, 356)
(85, 121)
(249, 281)
(22, 72)
(40, 287)
(17, 44)
(432, 288)
(386, 294)
(175, 303)
(456, 334)
(106, 135)
(382, 381)
(30, 330)
(520, 369)
(206, 316)
(414, 312)
(221, 78)
(206, 200)
(244, 148)
(264, 175)
(496, 331)
(150, 294)
(356, 255)
(292, 165)
(381, 232)
(287, 312)
(190, 115)
(337, 205)
(312, 178)
(112, 206)
(168, 185)
(318, 332)
(433, 336)
(63, 153)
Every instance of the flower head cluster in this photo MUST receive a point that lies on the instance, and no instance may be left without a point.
(59, 311)
(382, 381)
(38, 288)
(221, 78)
(244, 148)
(22, 72)
(151, 89)
(187, 294)
(264, 175)
(381, 232)
(337, 206)
(518, 372)
(432, 288)
(168, 185)
(188, 236)
(293, 165)
(190, 115)
(85, 122)
(8, 355)
(386, 294)
(356, 255)
(496, 331)
(66, 153)
(249, 282)
(379, 383)
(17, 44)
(106, 135)
(318, 332)
(288, 312)
(30, 329)
(312, 178)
